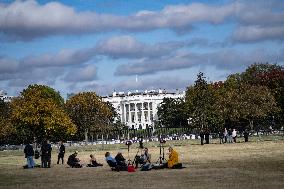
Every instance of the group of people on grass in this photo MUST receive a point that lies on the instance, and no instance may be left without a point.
(44, 153)
(226, 136)
(118, 163)
(143, 161)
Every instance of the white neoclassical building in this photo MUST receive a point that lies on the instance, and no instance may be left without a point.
(138, 110)
(4, 97)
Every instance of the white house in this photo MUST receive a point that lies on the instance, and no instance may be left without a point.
(4, 97)
(138, 110)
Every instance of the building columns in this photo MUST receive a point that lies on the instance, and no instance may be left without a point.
(124, 112)
(129, 114)
(142, 115)
(136, 116)
(148, 120)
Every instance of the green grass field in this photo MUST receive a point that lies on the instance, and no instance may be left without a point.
(256, 164)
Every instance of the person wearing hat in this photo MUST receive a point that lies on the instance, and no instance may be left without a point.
(73, 161)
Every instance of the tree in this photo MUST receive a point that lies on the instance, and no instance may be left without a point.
(199, 100)
(89, 113)
(37, 112)
(246, 102)
(269, 75)
(255, 102)
(44, 92)
(6, 128)
(172, 113)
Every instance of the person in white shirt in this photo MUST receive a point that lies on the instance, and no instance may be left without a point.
(234, 135)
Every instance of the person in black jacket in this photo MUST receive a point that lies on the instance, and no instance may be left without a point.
(246, 135)
(73, 161)
(120, 159)
(46, 154)
(29, 153)
(61, 152)
(221, 137)
(202, 136)
(207, 134)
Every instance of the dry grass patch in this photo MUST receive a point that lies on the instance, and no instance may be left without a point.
(241, 165)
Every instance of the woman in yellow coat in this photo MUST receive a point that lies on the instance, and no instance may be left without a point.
(173, 158)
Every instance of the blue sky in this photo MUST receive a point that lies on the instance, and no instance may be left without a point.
(101, 46)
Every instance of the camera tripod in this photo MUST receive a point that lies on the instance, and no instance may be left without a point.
(161, 158)
(128, 149)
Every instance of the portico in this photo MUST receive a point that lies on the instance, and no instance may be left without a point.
(139, 110)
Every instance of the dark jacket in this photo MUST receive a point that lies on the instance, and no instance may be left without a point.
(62, 149)
(46, 150)
(72, 159)
(120, 159)
(201, 134)
(29, 151)
(230, 132)
(207, 134)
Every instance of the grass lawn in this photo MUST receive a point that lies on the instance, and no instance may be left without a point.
(257, 164)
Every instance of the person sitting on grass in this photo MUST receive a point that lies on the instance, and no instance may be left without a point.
(173, 158)
(73, 161)
(110, 160)
(113, 164)
(172, 163)
(120, 159)
(144, 160)
(93, 162)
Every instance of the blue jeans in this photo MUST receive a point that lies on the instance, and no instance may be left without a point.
(30, 162)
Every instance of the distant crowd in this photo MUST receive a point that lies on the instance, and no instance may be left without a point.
(226, 136)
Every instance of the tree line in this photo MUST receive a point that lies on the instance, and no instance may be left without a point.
(40, 113)
(253, 100)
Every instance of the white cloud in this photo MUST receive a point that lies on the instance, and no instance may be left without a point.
(8, 65)
(224, 60)
(88, 73)
(129, 47)
(260, 22)
(64, 57)
(28, 19)
(169, 83)
(258, 33)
